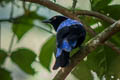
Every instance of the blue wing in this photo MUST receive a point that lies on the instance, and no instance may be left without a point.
(66, 46)
(69, 38)
(73, 43)
(59, 51)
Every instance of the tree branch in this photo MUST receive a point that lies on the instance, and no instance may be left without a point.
(95, 14)
(89, 47)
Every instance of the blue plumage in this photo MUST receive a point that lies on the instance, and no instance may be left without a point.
(67, 23)
(73, 43)
(70, 34)
(59, 51)
(66, 46)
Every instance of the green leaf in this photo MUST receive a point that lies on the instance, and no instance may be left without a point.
(21, 29)
(3, 56)
(54, 0)
(24, 23)
(104, 61)
(24, 58)
(4, 74)
(21, 26)
(46, 52)
(89, 20)
(99, 4)
(113, 11)
(116, 39)
(99, 29)
(94, 59)
(96, 5)
(3, 3)
(115, 68)
(82, 72)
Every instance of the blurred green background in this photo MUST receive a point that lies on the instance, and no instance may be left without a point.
(27, 45)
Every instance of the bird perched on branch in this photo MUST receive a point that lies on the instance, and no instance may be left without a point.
(70, 34)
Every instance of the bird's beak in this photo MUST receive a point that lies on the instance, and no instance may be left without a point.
(46, 21)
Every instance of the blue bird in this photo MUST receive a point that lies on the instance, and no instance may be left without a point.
(70, 34)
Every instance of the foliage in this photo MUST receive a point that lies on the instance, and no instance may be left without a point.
(24, 23)
(4, 2)
(4, 74)
(82, 71)
(103, 61)
(24, 58)
(46, 52)
(3, 56)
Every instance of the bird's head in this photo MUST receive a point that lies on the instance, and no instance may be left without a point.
(55, 21)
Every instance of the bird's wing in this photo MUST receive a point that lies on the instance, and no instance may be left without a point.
(61, 43)
(76, 35)
(66, 46)
(67, 38)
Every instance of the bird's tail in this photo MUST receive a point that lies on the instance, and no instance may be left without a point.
(62, 60)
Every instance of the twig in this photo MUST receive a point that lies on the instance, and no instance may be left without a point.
(5, 20)
(95, 14)
(12, 10)
(24, 7)
(29, 6)
(9, 20)
(74, 5)
(44, 29)
(12, 39)
(0, 35)
(36, 26)
(11, 43)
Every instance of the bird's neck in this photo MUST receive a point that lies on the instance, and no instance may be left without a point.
(68, 23)
(57, 23)
(55, 26)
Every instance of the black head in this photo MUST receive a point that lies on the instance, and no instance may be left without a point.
(55, 21)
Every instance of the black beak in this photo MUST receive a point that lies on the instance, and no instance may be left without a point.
(46, 21)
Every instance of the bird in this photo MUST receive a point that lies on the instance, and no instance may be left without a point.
(70, 34)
